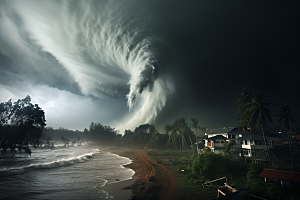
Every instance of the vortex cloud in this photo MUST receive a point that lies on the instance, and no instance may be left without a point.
(106, 51)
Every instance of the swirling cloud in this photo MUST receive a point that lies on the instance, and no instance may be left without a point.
(104, 49)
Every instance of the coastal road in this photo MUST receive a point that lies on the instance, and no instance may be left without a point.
(169, 180)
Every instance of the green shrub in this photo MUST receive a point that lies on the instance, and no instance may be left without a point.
(254, 171)
(209, 165)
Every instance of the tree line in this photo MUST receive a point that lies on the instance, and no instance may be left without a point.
(255, 113)
(177, 136)
(21, 125)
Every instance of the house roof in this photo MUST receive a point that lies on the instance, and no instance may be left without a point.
(202, 137)
(275, 154)
(281, 175)
(217, 137)
(223, 130)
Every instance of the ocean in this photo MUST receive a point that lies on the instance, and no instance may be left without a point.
(76, 172)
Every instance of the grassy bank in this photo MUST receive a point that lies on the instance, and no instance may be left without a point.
(238, 172)
(179, 164)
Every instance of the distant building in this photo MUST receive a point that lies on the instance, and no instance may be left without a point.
(284, 177)
(215, 143)
(215, 138)
(201, 143)
(248, 143)
(230, 133)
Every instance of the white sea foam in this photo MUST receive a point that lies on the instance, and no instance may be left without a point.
(74, 173)
(122, 166)
(47, 165)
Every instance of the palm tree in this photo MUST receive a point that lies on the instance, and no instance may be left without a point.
(171, 140)
(196, 126)
(259, 113)
(285, 114)
(153, 133)
(242, 104)
(243, 101)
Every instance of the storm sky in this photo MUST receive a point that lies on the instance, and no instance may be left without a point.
(125, 63)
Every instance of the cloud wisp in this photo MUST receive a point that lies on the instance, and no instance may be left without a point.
(105, 49)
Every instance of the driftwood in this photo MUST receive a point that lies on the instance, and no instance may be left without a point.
(215, 180)
(219, 191)
(231, 189)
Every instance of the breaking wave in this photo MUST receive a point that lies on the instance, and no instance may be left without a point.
(47, 165)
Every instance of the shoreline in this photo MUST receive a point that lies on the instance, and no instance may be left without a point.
(123, 189)
(142, 185)
(118, 189)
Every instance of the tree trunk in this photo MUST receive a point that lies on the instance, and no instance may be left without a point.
(266, 143)
(291, 152)
(196, 141)
(192, 146)
(254, 153)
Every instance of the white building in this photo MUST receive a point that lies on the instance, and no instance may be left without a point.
(248, 143)
(215, 143)
(231, 133)
(217, 137)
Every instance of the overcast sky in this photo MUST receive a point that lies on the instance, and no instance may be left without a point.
(124, 63)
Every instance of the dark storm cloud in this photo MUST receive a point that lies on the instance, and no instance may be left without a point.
(107, 50)
(26, 62)
(221, 47)
(167, 59)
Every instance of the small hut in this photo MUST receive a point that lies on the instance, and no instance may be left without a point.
(284, 177)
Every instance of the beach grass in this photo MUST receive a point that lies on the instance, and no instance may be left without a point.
(176, 161)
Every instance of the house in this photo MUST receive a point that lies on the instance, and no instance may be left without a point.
(215, 143)
(201, 143)
(215, 139)
(231, 133)
(249, 142)
(284, 177)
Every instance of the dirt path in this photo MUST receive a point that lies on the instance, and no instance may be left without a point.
(169, 181)
(143, 166)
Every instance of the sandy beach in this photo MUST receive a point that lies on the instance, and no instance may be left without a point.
(118, 191)
(143, 184)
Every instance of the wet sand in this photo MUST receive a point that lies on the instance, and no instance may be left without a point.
(138, 186)
(117, 189)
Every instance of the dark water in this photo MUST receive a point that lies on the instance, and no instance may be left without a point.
(78, 172)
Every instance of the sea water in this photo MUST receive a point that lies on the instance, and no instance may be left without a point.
(77, 172)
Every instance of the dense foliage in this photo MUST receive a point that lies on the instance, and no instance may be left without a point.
(21, 124)
(56, 134)
(209, 166)
(143, 135)
(180, 134)
(101, 134)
